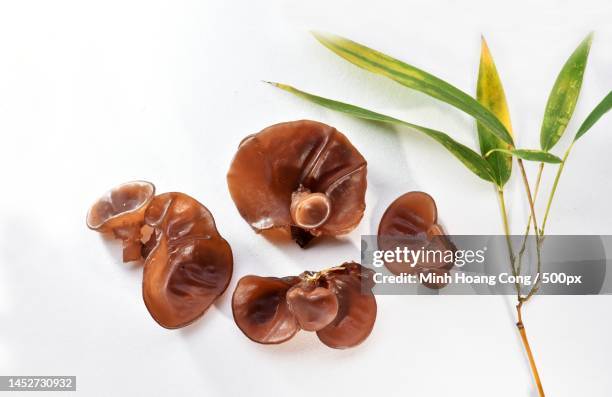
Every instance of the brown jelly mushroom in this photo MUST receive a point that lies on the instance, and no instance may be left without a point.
(304, 176)
(190, 264)
(411, 221)
(337, 303)
(121, 211)
(261, 311)
(356, 314)
(314, 307)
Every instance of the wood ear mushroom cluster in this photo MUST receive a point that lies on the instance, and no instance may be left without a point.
(187, 264)
(303, 177)
(336, 303)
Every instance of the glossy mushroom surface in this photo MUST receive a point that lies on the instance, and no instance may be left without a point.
(411, 222)
(261, 311)
(336, 303)
(314, 307)
(303, 176)
(189, 265)
(356, 313)
(121, 211)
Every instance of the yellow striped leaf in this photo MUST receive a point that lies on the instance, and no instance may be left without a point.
(414, 78)
(490, 94)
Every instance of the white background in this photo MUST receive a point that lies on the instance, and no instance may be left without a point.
(93, 94)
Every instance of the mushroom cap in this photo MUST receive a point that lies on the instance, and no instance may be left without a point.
(411, 214)
(285, 158)
(190, 265)
(261, 311)
(313, 307)
(411, 221)
(356, 311)
(180, 216)
(121, 206)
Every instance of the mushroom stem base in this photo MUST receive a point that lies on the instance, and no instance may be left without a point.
(132, 245)
(131, 250)
(300, 236)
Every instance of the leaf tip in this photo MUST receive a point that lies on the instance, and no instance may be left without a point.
(587, 41)
(485, 53)
(483, 41)
(320, 35)
(590, 36)
(279, 85)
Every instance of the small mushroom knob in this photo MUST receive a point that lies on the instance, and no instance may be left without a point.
(310, 210)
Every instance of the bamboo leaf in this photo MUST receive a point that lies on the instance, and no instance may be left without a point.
(490, 93)
(414, 78)
(564, 95)
(595, 115)
(472, 160)
(528, 154)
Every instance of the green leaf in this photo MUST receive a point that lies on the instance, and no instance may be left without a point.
(564, 95)
(490, 93)
(595, 115)
(472, 160)
(529, 154)
(414, 78)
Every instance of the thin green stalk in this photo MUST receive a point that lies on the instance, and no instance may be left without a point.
(504, 214)
(538, 181)
(535, 227)
(529, 196)
(555, 184)
(539, 240)
(528, 227)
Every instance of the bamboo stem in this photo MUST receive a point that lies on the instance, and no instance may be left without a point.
(521, 252)
(534, 370)
(519, 324)
(535, 227)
